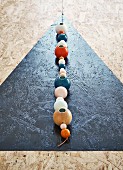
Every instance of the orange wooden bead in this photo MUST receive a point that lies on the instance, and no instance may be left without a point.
(61, 32)
(61, 51)
(61, 57)
(65, 133)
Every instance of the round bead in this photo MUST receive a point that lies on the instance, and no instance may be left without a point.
(63, 43)
(59, 98)
(61, 66)
(62, 74)
(61, 28)
(62, 116)
(61, 32)
(62, 81)
(60, 104)
(62, 37)
(61, 51)
(62, 70)
(61, 92)
(65, 133)
(63, 126)
(61, 58)
(61, 61)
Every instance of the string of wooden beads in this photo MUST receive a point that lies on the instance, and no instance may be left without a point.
(62, 115)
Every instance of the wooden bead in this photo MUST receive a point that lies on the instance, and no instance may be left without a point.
(63, 126)
(62, 74)
(61, 28)
(62, 81)
(61, 61)
(62, 70)
(61, 32)
(62, 42)
(62, 116)
(61, 51)
(59, 98)
(65, 133)
(61, 92)
(61, 66)
(60, 104)
(61, 57)
(62, 37)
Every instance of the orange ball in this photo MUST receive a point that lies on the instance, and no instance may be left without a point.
(61, 57)
(65, 133)
(61, 32)
(61, 51)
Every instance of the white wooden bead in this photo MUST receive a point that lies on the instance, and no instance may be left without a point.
(63, 126)
(63, 43)
(59, 98)
(61, 27)
(62, 70)
(60, 104)
(61, 61)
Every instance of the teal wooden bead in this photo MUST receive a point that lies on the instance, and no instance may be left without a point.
(61, 66)
(62, 81)
(62, 37)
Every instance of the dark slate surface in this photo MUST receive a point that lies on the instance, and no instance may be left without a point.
(95, 100)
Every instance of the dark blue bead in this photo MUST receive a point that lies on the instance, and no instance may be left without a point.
(61, 37)
(62, 81)
(61, 66)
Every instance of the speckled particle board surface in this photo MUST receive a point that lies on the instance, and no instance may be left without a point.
(95, 100)
(61, 160)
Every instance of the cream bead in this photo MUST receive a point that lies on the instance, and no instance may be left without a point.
(63, 43)
(60, 104)
(59, 98)
(62, 70)
(61, 61)
(63, 75)
(61, 27)
(61, 92)
(63, 126)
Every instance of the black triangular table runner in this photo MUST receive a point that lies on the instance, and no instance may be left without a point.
(95, 100)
